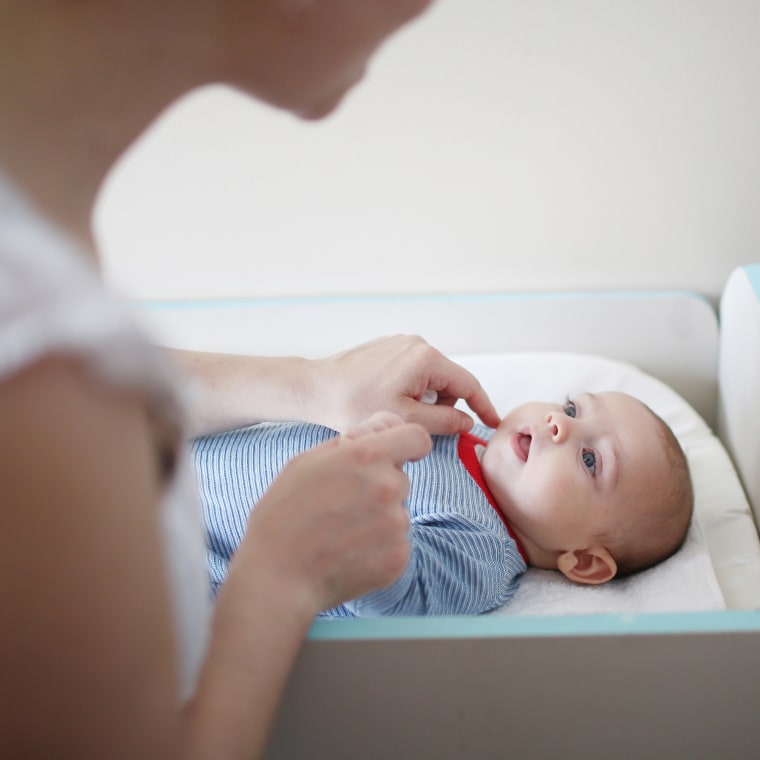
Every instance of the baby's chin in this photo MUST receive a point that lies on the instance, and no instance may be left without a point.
(490, 470)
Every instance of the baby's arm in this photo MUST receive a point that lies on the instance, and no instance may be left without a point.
(456, 567)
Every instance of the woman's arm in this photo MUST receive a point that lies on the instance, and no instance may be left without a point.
(86, 640)
(331, 526)
(388, 374)
(87, 647)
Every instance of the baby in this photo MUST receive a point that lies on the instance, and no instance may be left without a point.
(596, 488)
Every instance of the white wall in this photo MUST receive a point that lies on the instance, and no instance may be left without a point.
(495, 145)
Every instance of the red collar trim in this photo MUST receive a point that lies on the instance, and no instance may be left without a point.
(466, 451)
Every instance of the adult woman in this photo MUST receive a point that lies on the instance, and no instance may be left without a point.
(106, 646)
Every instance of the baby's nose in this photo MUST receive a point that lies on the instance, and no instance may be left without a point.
(557, 426)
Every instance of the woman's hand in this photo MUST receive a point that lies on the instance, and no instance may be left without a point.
(331, 527)
(393, 374)
(333, 524)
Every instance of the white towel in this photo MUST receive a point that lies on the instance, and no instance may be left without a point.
(659, 589)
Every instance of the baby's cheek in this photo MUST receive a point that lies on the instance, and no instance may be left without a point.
(550, 494)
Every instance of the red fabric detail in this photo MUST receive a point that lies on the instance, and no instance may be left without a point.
(468, 457)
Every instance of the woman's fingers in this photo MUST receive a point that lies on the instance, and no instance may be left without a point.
(335, 518)
(385, 434)
(395, 374)
(452, 382)
(374, 424)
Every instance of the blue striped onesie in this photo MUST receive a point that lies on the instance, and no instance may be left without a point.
(463, 558)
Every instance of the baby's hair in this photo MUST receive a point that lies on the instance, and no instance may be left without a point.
(666, 527)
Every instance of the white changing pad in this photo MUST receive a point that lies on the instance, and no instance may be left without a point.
(699, 576)
(683, 583)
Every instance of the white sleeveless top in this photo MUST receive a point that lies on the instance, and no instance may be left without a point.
(51, 301)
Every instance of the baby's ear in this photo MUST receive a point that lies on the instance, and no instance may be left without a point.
(593, 565)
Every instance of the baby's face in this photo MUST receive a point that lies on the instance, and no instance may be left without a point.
(564, 474)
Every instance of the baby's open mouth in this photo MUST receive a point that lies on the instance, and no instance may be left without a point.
(521, 445)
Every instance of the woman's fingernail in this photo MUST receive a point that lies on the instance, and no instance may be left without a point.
(429, 396)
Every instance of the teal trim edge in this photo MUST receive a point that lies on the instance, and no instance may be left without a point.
(400, 299)
(494, 626)
(753, 275)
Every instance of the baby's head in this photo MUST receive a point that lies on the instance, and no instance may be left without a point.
(596, 487)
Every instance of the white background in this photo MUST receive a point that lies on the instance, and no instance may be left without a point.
(496, 145)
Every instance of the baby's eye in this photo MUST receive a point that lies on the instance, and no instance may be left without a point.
(589, 460)
(569, 408)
